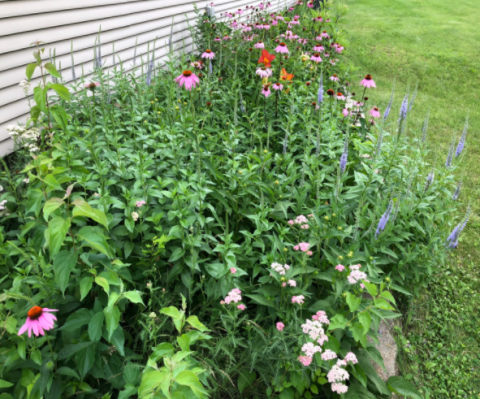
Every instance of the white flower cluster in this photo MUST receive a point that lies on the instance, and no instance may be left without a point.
(22, 136)
(280, 269)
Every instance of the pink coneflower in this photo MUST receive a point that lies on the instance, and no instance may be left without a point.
(241, 307)
(239, 11)
(187, 79)
(334, 78)
(197, 64)
(325, 35)
(375, 112)
(346, 112)
(340, 96)
(282, 48)
(277, 86)
(38, 320)
(316, 58)
(310, 4)
(280, 326)
(327, 55)
(208, 54)
(264, 72)
(234, 24)
(303, 41)
(319, 48)
(274, 23)
(217, 39)
(92, 85)
(227, 38)
(266, 26)
(368, 82)
(266, 90)
(340, 268)
(259, 45)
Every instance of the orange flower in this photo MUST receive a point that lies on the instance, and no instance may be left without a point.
(266, 59)
(285, 75)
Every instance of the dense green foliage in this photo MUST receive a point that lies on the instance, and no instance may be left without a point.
(149, 209)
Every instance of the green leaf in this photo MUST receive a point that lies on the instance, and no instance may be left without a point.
(83, 208)
(177, 254)
(162, 350)
(133, 296)
(68, 371)
(5, 384)
(246, 379)
(118, 340)
(30, 70)
(61, 90)
(39, 97)
(52, 70)
(189, 379)
(150, 381)
(400, 289)
(184, 342)
(112, 318)
(176, 316)
(76, 320)
(85, 286)
(387, 295)
(52, 182)
(63, 264)
(60, 115)
(70, 350)
(287, 394)
(353, 302)
(85, 360)
(95, 327)
(55, 234)
(403, 387)
(94, 238)
(381, 303)
(102, 282)
(195, 323)
(358, 332)
(371, 288)
(261, 300)
(337, 321)
(51, 205)
(365, 320)
(34, 113)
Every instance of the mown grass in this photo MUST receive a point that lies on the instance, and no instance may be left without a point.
(433, 43)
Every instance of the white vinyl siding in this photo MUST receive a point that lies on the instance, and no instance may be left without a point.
(59, 23)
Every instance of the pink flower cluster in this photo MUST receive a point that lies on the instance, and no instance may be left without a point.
(233, 296)
(279, 268)
(356, 275)
(300, 220)
(141, 203)
(340, 268)
(321, 316)
(298, 299)
(303, 246)
(280, 326)
(310, 349)
(291, 283)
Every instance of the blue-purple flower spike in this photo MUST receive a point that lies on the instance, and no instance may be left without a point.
(448, 163)
(452, 240)
(404, 107)
(344, 157)
(457, 191)
(320, 91)
(149, 72)
(384, 219)
(461, 143)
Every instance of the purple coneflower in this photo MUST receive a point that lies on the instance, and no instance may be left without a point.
(92, 85)
(319, 48)
(316, 58)
(368, 82)
(259, 45)
(325, 35)
(187, 79)
(340, 96)
(282, 48)
(334, 78)
(208, 54)
(38, 320)
(346, 112)
(217, 39)
(375, 112)
(266, 90)
(264, 72)
(277, 86)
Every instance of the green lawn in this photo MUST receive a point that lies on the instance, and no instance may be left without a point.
(435, 43)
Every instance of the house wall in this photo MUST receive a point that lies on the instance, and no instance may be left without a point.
(63, 24)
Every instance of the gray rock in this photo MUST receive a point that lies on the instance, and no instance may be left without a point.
(388, 349)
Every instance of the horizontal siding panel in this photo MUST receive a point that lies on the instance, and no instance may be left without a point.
(53, 21)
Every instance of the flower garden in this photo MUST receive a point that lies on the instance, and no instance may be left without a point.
(233, 224)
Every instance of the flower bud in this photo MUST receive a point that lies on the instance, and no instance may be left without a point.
(152, 315)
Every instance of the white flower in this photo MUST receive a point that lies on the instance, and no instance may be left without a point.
(135, 216)
(1, 189)
(26, 181)
(25, 84)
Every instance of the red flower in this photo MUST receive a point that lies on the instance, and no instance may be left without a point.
(266, 58)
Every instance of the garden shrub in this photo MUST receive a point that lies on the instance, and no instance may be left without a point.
(229, 225)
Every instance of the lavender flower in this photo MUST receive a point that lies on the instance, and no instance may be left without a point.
(425, 127)
(448, 163)
(389, 106)
(344, 157)
(457, 191)
(452, 239)
(383, 220)
(412, 100)
(320, 91)
(430, 178)
(404, 108)
(461, 143)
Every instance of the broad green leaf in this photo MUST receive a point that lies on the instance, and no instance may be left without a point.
(85, 360)
(63, 264)
(55, 234)
(387, 295)
(95, 326)
(30, 70)
(39, 97)
(195, 323)
(94, 238)
(133, 296)
(51, 205)
(52, 182)
(83, 208)
(61, 90)
(365, 320)
(337, 321)
(150, 381)
(189, 379)
(287, 394)
(246, 379)
(184, 342)
(381, 303)
(164, 349)
(52, 70)
(353, 302)
(85, 286)
(5, 384)
(68, 371)
(76, 320)
(70, 350)
(358, 332)
(371, 288)
(176, 316)
(112, 318)
(102, 282)
(118, 340)
(403, 387)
